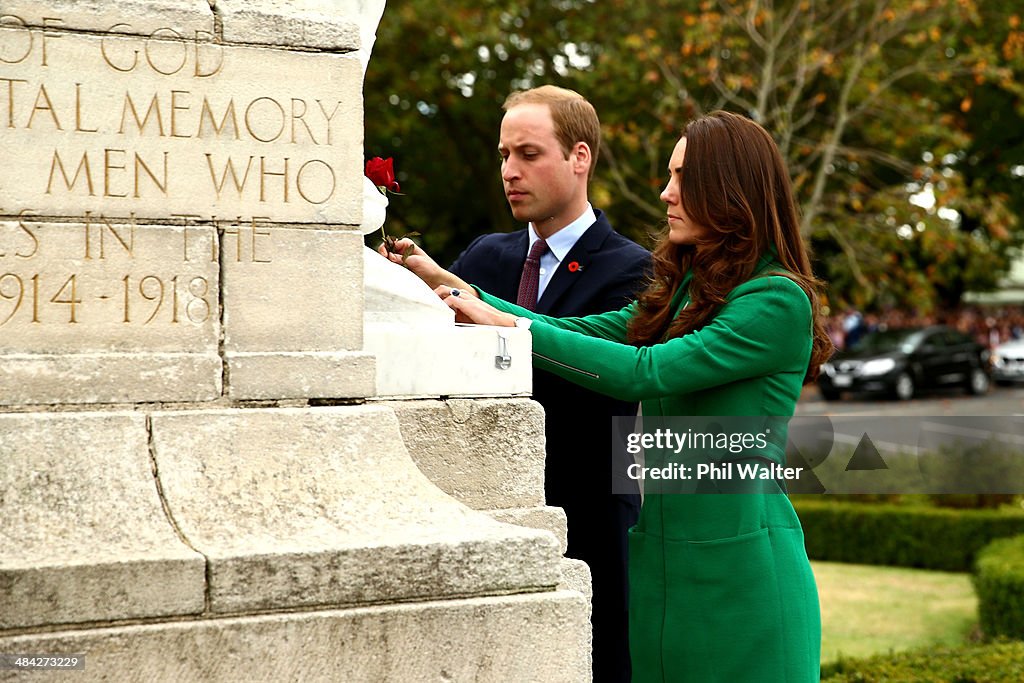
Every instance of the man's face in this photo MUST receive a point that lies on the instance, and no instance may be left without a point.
(541, 185)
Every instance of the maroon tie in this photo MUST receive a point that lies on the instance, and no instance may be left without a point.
(530, 280)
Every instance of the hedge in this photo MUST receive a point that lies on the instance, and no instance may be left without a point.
(1001, 662)
(902, 535)
(999, 582)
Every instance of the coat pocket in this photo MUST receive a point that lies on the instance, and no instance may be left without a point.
(723, 609)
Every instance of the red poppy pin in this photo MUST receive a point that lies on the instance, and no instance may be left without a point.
(574, 266)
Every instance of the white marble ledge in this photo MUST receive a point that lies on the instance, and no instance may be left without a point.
(461, 360)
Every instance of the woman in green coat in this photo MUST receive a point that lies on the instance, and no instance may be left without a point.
(720, 586)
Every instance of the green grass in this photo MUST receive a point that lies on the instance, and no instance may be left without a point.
(867, 610)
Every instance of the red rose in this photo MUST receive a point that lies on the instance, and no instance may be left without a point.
(381, 173)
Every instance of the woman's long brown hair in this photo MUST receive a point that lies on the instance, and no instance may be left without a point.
(735, 183)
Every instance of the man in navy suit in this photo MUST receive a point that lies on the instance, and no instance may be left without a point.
(549, 143)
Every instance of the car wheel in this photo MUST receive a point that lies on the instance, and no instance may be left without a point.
(977, 382)
(904, 388)
(830, 395)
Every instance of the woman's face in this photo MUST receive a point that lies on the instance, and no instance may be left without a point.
(681, 230)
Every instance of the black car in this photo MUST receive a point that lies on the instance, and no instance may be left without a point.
(899, 362)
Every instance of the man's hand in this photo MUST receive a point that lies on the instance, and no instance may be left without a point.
(410, 255)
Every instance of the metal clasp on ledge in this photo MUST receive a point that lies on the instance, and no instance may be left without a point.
(503, 361)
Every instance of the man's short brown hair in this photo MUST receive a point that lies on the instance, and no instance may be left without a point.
(574, 117)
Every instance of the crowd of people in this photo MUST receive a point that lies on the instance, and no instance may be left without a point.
(990, 326)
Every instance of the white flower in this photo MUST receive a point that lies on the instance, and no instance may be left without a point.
(375, 207)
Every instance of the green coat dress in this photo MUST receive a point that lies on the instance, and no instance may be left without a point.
(721, 590)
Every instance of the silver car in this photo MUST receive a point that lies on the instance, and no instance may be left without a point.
(1008, 362)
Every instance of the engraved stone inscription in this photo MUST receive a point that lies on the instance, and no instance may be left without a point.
(172, 123)
(96, 285)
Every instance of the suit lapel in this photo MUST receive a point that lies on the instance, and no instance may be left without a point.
(509, 267)
(575, 264)
(681, 299)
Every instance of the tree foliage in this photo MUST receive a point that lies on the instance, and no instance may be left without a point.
(900, 119)
(433, 95)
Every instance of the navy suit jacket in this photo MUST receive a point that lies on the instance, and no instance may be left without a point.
(611, 270)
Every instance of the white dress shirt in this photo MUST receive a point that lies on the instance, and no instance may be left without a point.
(559, 245)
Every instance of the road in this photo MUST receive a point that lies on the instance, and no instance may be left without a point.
(998, 401)
(890, 438)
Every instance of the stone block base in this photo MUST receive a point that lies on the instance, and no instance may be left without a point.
(534, 637)
(282, 375)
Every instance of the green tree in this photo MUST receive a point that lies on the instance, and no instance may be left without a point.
(992, 113)
(864, 100)
(882, 109)
(434, 88)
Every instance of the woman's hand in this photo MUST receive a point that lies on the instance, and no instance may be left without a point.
(469, 308)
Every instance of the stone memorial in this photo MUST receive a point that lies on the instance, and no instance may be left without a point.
(216, 462)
